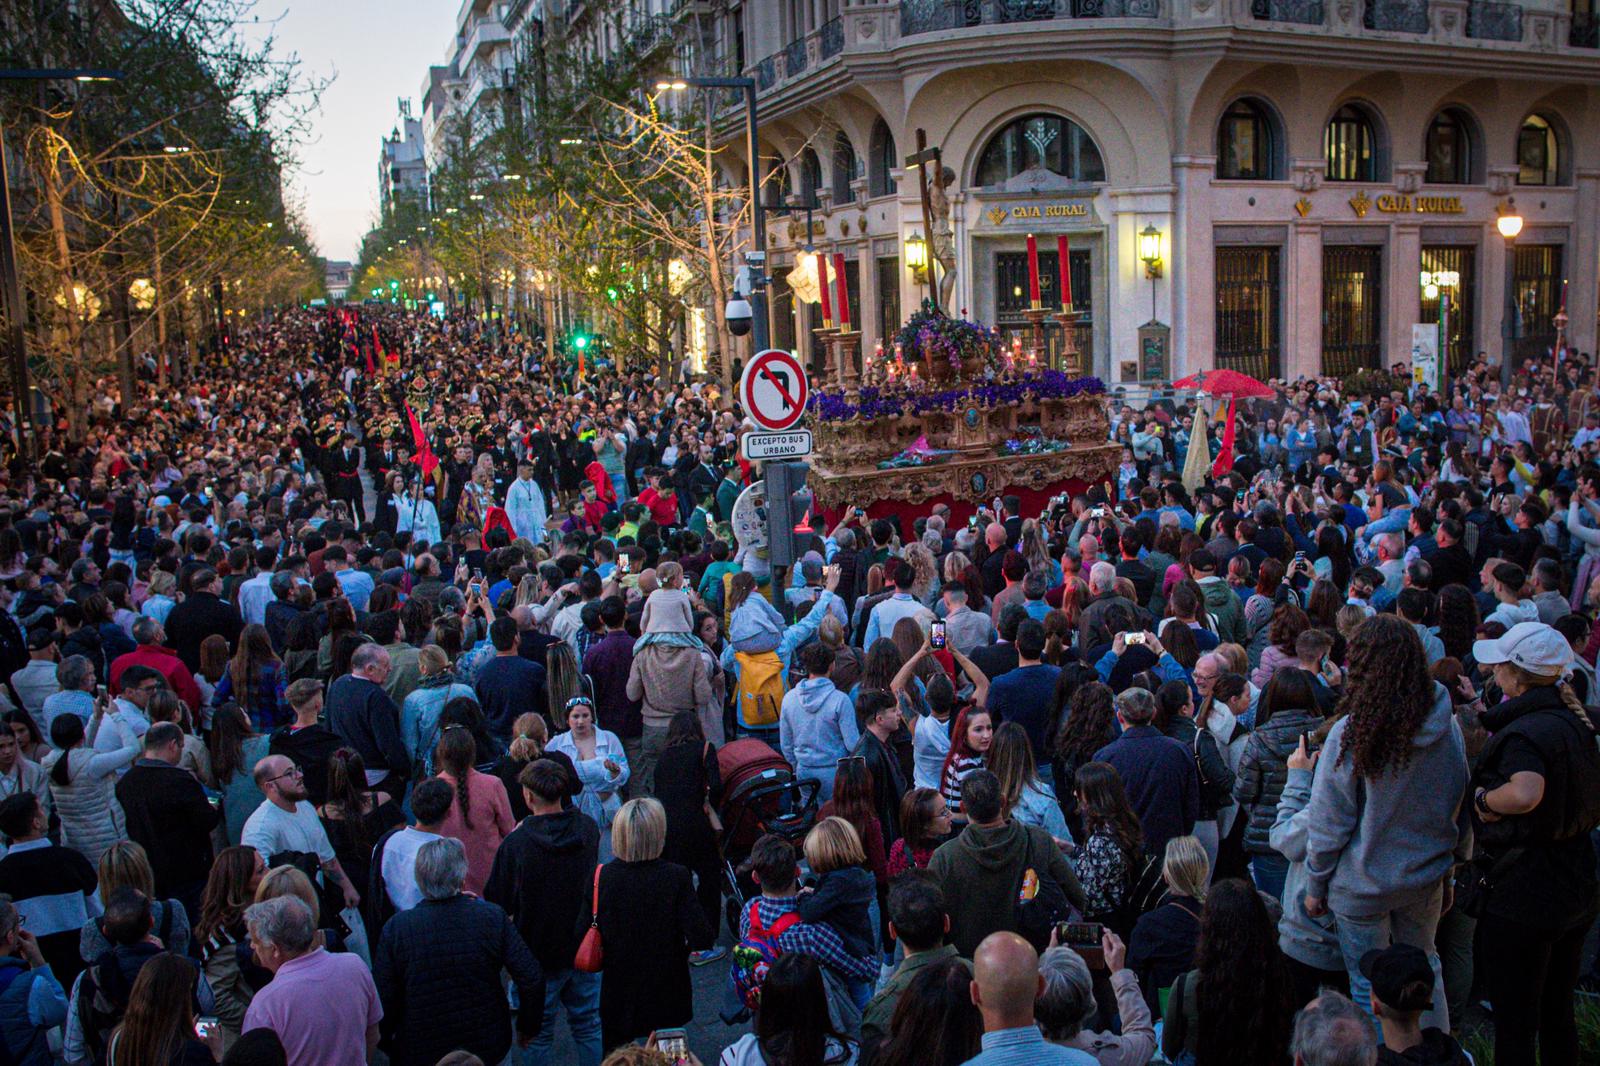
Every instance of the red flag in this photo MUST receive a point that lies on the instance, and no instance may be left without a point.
(425, 454)
(371, 370)
(1224, 461)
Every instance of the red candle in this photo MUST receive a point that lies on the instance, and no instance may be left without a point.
(1065, 269)
(844, 292)
(822, 287)
(1033, 272)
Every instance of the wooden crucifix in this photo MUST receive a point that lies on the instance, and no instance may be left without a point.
(920, 162)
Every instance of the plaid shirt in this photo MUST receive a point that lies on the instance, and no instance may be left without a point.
(814, 939)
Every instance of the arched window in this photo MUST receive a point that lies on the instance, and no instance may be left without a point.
(1351, 146)
(879, 180)
(1449, 149)
(1247, 143)
(1538, 152)
(810, 178)
(844, 169)
(1049, 142)
(775, 189)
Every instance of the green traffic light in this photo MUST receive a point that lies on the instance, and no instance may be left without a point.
(393, 284)
(580, 342)
(611, 293)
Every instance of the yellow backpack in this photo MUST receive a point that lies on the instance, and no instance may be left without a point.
(760, 692)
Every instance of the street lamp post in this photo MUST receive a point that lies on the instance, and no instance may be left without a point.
(1509, 223)
(15, 338)
(758, 286)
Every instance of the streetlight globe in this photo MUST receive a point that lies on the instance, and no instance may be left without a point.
(1509, 222)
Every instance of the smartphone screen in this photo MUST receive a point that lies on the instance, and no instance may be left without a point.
(936, 639)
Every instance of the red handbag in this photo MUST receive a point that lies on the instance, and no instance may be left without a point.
(591, 956)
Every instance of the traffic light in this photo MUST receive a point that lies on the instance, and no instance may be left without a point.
(788, 512)
(580, 341)
(612, 293)
(394, 286)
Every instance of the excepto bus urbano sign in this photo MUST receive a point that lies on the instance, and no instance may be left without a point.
(791, 444)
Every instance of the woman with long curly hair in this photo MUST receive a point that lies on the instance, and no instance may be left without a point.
(1388, 814)
(1112, 851)
(1288, 622)
(925, 588)
(1088, 723)
(1227, 1011)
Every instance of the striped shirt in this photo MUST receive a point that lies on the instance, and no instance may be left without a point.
(53, 888)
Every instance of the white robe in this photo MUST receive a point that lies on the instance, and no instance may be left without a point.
(525, 507)
(426, 523)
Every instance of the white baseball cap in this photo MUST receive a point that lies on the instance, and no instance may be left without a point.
(1534, 646)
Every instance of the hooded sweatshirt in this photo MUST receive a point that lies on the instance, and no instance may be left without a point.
(543, 878)
(980, 870)
(1509, 614)
(817, 724)
(1374, 844)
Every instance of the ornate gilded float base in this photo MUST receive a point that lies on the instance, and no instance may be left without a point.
(970, 478)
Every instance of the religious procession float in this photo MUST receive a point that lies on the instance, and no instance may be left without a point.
(949, 413)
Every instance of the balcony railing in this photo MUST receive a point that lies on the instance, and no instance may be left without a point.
(1585, 32)
(766, 73)
(1303, 12)
(1397, 16)
(930, 16)
(1489, 20)
(794, 58)
(830, 39)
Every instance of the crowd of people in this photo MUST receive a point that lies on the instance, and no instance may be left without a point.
(354, 716)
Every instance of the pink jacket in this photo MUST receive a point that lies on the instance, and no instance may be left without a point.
(490, 811)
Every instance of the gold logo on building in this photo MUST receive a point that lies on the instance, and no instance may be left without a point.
(1302, 207)
(997, 215)
(1359, 204)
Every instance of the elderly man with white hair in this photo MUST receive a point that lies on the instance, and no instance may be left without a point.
(438, 967)
(1066, 1005)
(1390, 551)
(1103, 597)
(1332, 1031)
(323, 1007)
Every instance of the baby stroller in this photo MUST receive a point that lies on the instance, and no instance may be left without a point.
(760, 795)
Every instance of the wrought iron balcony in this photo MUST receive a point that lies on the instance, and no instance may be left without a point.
(766, 73)
(930, 16)
(794, 58)
(1397, 16)
(1302, 12)
(1490, 20)
(830, 39)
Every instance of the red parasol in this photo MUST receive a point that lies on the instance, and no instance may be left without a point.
(1224, 383)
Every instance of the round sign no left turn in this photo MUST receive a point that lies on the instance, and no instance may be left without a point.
(774, 390)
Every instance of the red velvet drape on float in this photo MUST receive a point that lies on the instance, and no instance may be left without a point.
(1033, 502)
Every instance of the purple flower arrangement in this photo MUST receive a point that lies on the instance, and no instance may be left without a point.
(934, 335)
(891, 402)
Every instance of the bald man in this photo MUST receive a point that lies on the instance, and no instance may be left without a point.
(1005, 982)
(286, 822)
